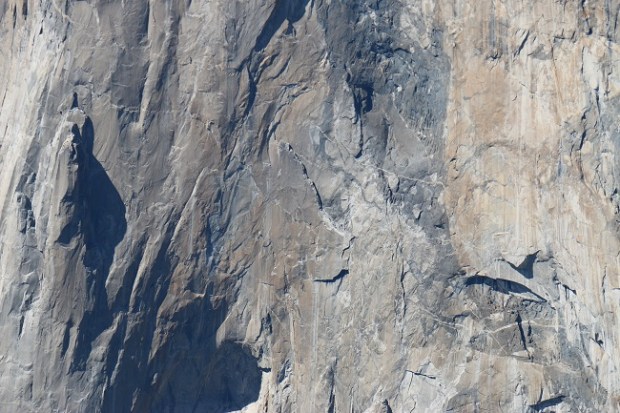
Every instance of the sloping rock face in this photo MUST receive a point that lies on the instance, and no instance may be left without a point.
(309, 206)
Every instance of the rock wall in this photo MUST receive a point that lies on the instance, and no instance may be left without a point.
(309, 206)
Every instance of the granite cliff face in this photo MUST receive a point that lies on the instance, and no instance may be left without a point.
(309, 206)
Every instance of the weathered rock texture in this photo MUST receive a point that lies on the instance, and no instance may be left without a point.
(309, 206)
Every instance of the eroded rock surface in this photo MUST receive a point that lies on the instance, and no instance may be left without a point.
(309, 206)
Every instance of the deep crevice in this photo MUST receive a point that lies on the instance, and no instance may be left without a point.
(252, 89)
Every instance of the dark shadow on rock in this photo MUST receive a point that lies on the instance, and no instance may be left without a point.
(103, 224)
(189, 372)
(526, 268)
(233, 380)
(501, 285)
(290, 11)
(106, 210)
(545, 404)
